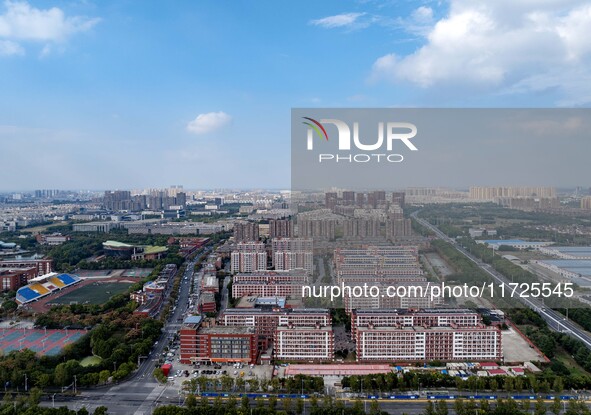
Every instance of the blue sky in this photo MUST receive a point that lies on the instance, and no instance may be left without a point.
(122, 94)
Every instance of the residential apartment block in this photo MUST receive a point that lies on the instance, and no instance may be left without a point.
(430, 317)
(386, 344)
(312, 343)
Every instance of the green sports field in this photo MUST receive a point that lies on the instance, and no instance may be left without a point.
(95, 293)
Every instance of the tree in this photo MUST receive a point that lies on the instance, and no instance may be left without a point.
(244, 403)
(61, 374)
(35, 396)
(218, 405)
(540, 408)
(313, 402)
(240, 384)
(300, 406)
(253, 384)
(556, 406)
(518, 384)
(558, 386)
(191, 401)
(231, 404)
(430, 409)
(484, 406)
(100, 410)
(374, 407)
(508, 384)
(104, 376)
(9, 306)
(358, 407)
(272, 402)
(227, 383)
(441, 407)
(493, 385)
(43, 380)
(287, 404)
(204, 404)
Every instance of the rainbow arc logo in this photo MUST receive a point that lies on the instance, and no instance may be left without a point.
(314, 126)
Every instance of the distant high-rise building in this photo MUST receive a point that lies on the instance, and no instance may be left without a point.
(330, 200)
(374, 198)
(398, 198)
(249, 257)
(586, 203)
(348, 198)
(46, 193)
(492, 193)
(181, 199)
(246, 231)
(292, 253)
(360, 199)
(398, 228)
(317, 228)
(361, 228)
(280, 228)
(117, 200)
(173, 190)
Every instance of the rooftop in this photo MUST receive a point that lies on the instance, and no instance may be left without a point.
(579, 266)
(575, 251)
(192, 320)
(116, 244)
(422, 329)
(285, 312)
(405, 311)
(304, 328)
(226, 330)
(336, 370)
(154, 249)
(513, 242)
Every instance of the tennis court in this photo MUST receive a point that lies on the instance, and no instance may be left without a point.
(43, 342)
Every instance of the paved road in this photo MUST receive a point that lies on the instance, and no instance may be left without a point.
(555, 320)
(141, 393)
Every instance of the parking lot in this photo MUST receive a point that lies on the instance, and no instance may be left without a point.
(214, 371)
(184, 372)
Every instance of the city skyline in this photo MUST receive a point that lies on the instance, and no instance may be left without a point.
(113, 95)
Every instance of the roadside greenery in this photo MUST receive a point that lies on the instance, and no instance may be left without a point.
(271, 406)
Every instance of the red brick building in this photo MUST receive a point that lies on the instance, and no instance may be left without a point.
(217, 343)
(13, 279)
(43, 266)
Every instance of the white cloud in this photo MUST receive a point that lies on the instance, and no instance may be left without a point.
(423, 14)
(8, 47)
(206, 123)
(508, 45)
(339, 20)
(21, 22)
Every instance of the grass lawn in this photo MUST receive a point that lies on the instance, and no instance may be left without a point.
(90, 361)
(569, 362)
(95, 293)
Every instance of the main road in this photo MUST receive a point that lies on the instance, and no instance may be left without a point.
(141, 393)
(555, 320)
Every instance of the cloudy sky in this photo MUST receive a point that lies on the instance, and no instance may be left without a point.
(122, 94)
